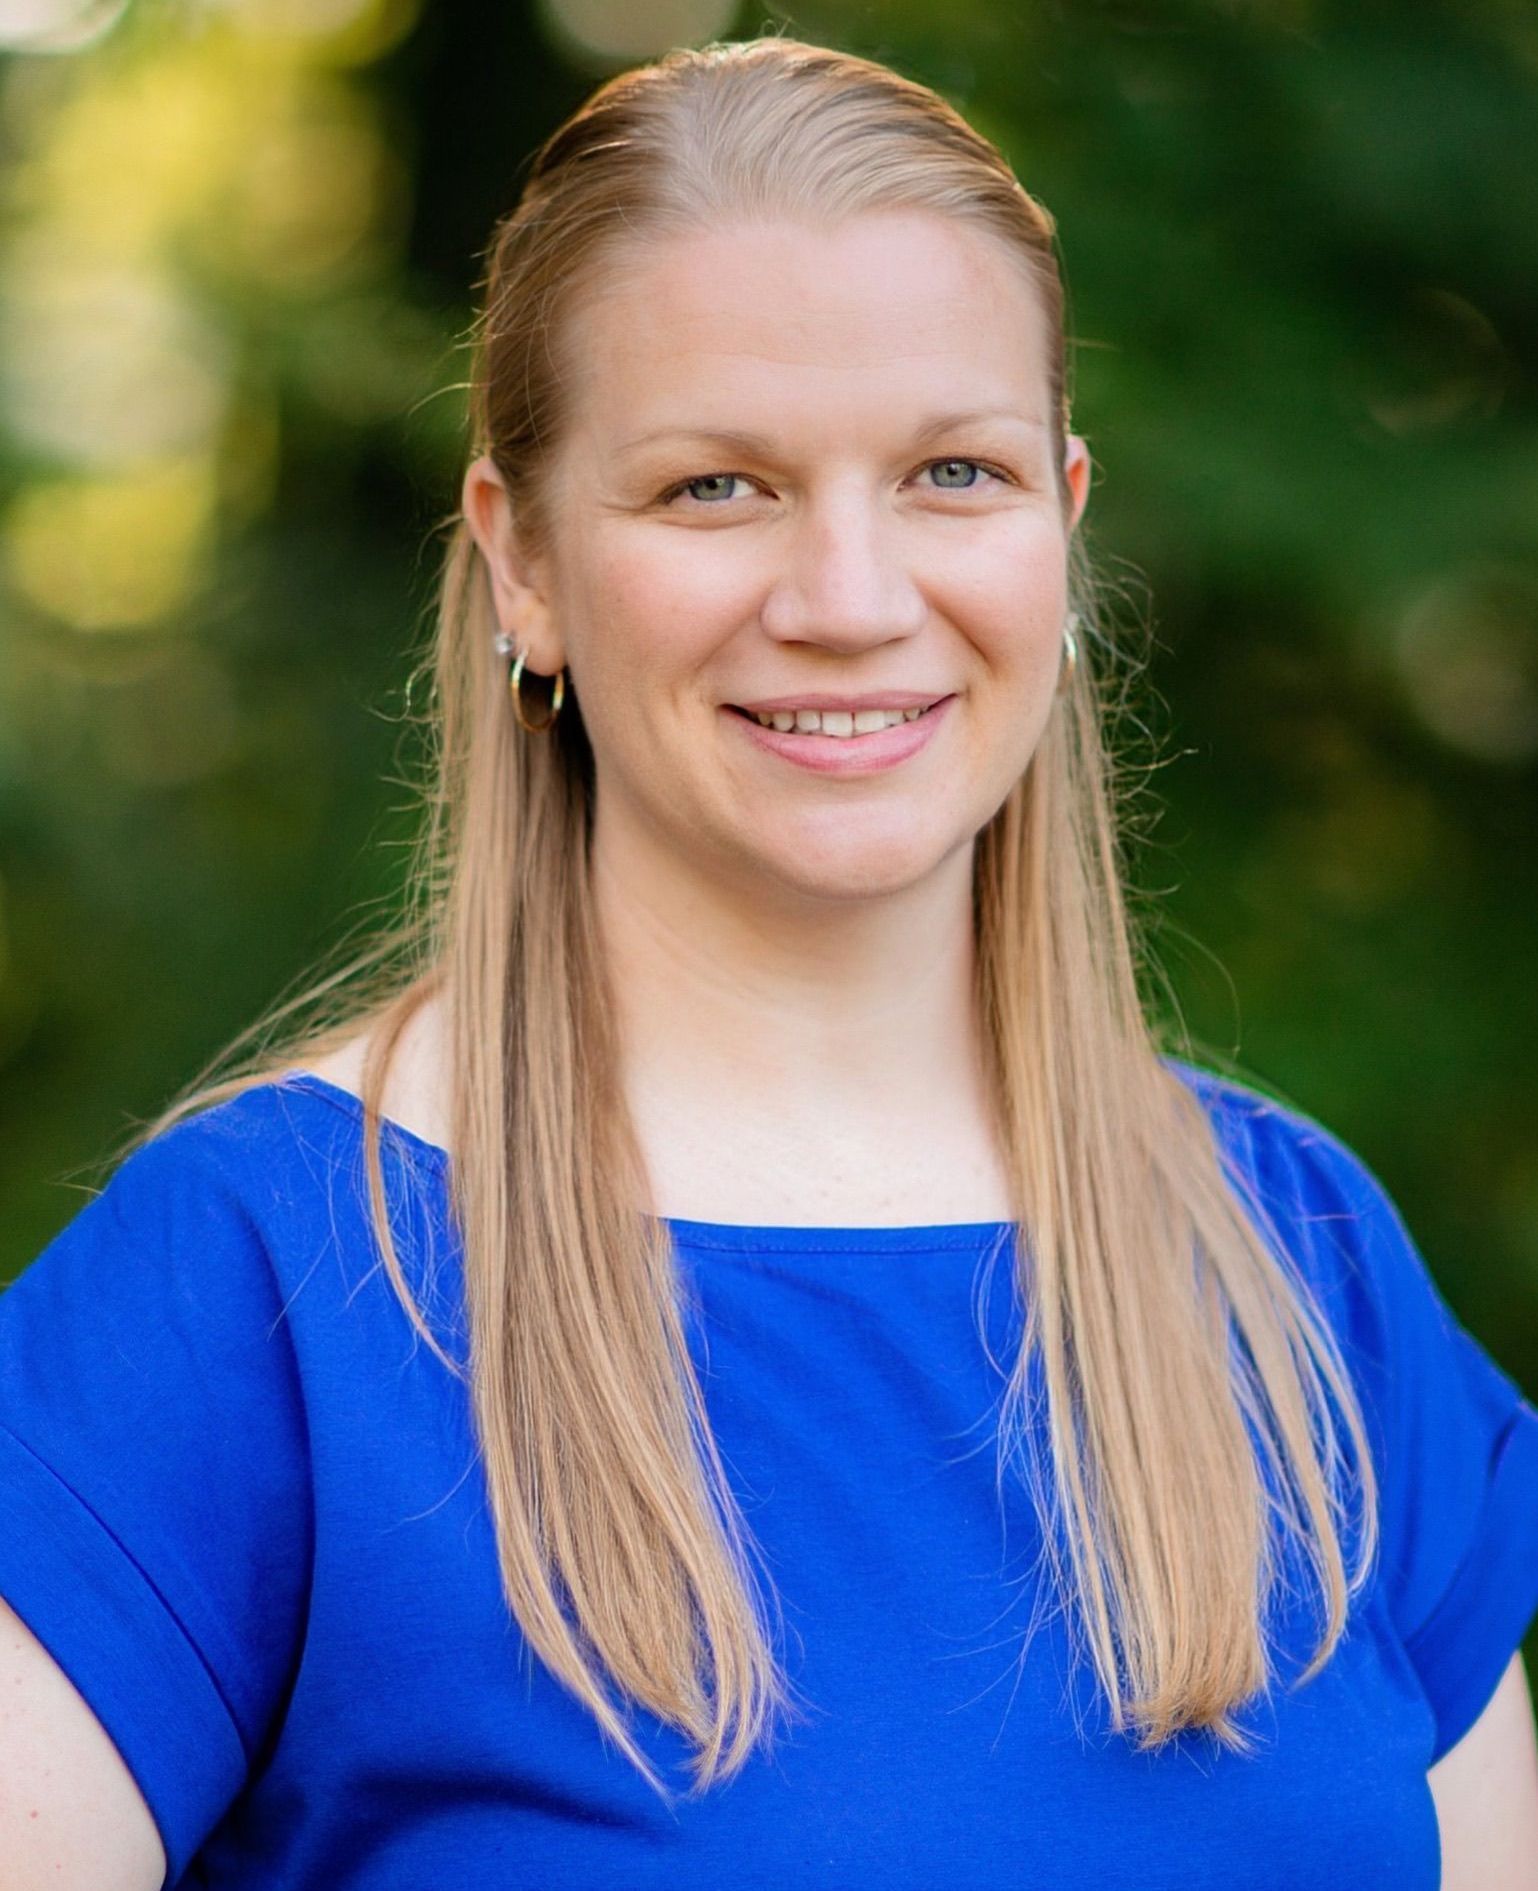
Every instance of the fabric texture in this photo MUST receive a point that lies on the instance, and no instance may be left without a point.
(241, 1505)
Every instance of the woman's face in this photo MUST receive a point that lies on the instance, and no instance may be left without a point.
(808, 468)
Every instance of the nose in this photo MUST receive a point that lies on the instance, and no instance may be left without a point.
(845, 582)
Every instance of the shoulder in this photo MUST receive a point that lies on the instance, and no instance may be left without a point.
(1270, 1132)
(1313, 1195)
(416, 1088)
(226, 1171)
(221, 1218)
(1329, 1219)
(179, 1249)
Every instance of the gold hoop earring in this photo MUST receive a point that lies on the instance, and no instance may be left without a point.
(1070, 653)
(504, 645)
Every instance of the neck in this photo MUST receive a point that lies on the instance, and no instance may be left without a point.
(816, 1006)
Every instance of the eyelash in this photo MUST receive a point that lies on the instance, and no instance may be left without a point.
(949, 459)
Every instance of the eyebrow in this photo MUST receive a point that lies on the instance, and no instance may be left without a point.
(731, 437)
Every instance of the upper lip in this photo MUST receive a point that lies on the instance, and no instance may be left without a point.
(822, 699)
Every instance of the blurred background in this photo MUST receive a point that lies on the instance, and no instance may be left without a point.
(238, 240)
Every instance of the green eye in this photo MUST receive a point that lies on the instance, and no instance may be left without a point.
(718, 481)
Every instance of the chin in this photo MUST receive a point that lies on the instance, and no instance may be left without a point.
(853, 873)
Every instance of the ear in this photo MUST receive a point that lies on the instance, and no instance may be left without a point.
(1076, 472)
(517, 589)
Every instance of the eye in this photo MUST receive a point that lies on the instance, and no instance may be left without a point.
(714, 489)
(713, 484)
(975, 468)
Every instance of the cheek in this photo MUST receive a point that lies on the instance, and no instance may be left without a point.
(640, 628)
(656, 608)
(1010, 596)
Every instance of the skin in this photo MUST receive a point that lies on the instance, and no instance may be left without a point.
(1486, 1794)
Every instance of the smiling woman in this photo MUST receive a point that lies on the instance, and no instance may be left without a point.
(758, 1123)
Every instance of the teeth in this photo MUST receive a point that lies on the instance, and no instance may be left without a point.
(837, 722)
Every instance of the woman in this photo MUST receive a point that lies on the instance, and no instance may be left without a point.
(709, 1486)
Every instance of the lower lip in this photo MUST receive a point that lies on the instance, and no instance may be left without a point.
(847, 754)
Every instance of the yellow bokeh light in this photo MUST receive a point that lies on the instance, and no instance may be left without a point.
(112, 554)
(304, 198)
(136, 154)
(102, 363)
(251, 158)
(332, 32)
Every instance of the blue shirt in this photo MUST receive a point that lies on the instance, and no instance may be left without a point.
(242, 1508)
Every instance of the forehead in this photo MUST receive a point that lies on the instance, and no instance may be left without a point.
(743, 322)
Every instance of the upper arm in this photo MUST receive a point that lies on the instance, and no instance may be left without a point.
(71, 1816)
(155, 1492)
(1486, 1794)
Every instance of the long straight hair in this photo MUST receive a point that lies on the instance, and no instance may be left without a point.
(1199, 1421)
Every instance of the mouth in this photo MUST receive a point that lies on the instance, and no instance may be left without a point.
(843, 742)
(841, 724)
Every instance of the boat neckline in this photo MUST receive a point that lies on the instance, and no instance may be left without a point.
(698, 1233)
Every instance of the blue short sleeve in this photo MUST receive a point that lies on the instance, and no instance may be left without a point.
(153, 1476)
(1455, 1442)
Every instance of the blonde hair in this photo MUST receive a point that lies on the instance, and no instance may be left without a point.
(1184, 1363)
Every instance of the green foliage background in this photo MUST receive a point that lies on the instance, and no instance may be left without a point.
(1300, 245)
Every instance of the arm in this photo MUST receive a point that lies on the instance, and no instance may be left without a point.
(71, 1817)
(1486, 1793)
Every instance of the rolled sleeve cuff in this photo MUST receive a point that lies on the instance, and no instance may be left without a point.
(103, 1621)
(1463, 1648)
